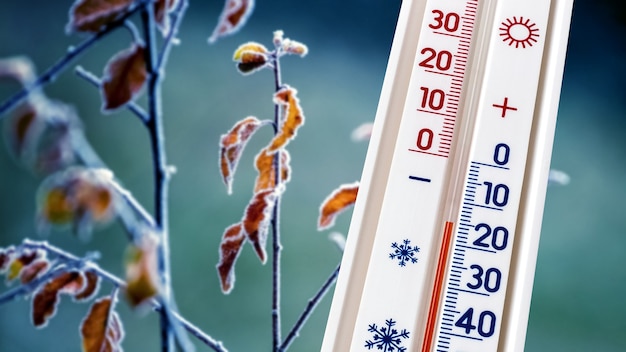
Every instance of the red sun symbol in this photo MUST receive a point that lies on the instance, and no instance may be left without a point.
(519, 32)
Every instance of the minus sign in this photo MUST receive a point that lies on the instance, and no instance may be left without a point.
(419, 179)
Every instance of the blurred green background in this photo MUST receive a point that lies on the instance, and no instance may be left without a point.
(578, 300)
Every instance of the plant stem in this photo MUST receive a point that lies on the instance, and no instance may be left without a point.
(72, 261)
(51, 73)
(313, 302)
(275, 222)
(161, 177)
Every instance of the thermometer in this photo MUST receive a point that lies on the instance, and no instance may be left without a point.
(442, 247)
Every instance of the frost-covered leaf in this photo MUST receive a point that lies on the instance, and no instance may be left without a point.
(557, 177)
(19, 68)
(22, 259)
(34, 270)
(232, 145)
(251, 57)
(93, 15)
(124, 77)
(230, 247)
(293, 117)
(142, 277)
(264, 163)
(6, 257)
(101, 330)
(92, 284)
(257, 218)
(46, 299)
(335, 203)
(78, 197)
(362, 133)
(161, 13)
(233, 17)
(294, 47)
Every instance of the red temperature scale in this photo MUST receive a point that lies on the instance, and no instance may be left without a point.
(442, 246)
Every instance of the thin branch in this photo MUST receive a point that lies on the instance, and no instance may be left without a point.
(313, 302)
(132, 106)
(51, 73)
(177, 18)
(275, 223)
(74, 262)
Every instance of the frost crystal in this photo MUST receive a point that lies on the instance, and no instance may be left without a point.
(385, 338)
(404, 252)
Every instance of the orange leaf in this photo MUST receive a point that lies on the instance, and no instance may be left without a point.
(142, 278)
(286, 97)
(101, 330)
(77, 196)
(294, 47)
(232, 145)
(265, 166)
(257, 218)
(46, 299)
(124, 76)
(233, 17)
(335, 203)
(251, 57)
(93, 15)
(34, 270)
(230, 247)
(92, 284)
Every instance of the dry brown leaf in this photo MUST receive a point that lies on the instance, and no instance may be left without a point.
(101, 330)
(286, 97)
(46, 299)
(257, 218)
(233, 17)
(124, 76)
(21, 260)
(265, 166)
(232, 145)
(335, 203)
(34, 270)
(92, 284)
(142, 278)
(230, 247)
(93, 15)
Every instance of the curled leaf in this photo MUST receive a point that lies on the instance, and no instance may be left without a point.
(230, 247)
(124, 76)
(92, 284)
(335, 203)
(93, 15)
(101, 330)
(232, 145)
(257, 218)
(233, 17)
(251, 57)
(19, 68)
(77, 197)
(142, 278)
(264, 163)
(34, 270)
(286, 97)
(46, 299)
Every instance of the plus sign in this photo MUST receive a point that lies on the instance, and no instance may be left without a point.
(505, 106)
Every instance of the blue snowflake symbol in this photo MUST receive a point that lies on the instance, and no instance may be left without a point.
(404, 252)
(385, 338)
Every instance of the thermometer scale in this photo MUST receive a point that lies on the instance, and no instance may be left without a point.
(443, 242)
